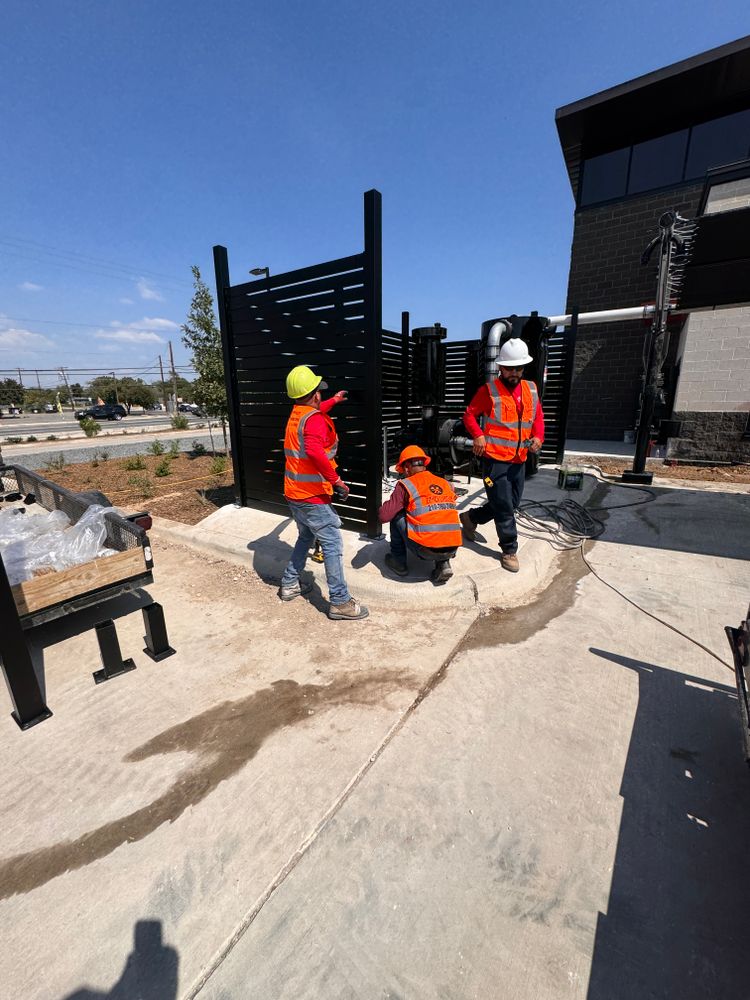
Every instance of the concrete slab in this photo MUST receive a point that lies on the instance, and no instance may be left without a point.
(265, 541)
(566, 815)
(164, 801)
(553, 806)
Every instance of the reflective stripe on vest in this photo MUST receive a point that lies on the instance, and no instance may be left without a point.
(301, 478)
(505, 428)
(430, 521)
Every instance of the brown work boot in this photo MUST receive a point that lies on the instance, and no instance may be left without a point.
(351, 611)
(509, 561)
(470, 529)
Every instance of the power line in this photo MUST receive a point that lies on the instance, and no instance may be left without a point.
(46, 249)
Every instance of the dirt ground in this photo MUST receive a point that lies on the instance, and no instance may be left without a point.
(189, 492)
(702, 473)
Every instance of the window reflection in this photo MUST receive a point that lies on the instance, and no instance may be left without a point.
(658, 162)
(605, 176)
(717, 143)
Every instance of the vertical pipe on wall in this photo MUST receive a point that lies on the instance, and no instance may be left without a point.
(374, 353)
(221, 268)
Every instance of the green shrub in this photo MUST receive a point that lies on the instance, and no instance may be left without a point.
(174, 449)
(180, 422)
(218, 466)
(55, 464)
(31, 437)
(198, 448)
(51, 437)
(164, 468)
(142, 485)
(134, 464)
(14, 440)
(90, 427)
(104, 455)
(156, 448)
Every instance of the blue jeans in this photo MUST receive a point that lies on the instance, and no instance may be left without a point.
(318, 520)
(400, 543)
(503, 483)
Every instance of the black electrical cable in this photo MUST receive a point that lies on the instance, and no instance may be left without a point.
(569, 525)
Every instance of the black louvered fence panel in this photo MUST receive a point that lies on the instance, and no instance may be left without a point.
(328, 317)
(556, 394)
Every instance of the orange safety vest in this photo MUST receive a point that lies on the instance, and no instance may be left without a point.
(431, 516)
(301, 477)
(505, 428)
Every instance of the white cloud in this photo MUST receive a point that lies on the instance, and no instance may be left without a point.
(146, 291)
(14, 339)
(127, 302)
(147, 323)
(127, 336)
(29, 286)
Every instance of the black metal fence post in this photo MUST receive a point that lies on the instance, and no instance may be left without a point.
(29, 706)
(374, 347)
(221, 268)
(405, 368)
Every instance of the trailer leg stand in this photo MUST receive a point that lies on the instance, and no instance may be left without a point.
(156, 638)
(29, 706)
(109, 646)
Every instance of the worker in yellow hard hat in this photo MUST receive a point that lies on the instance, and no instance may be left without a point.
(311, 482)
(423, 517)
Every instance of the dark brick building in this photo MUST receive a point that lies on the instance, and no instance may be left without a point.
(678, 138)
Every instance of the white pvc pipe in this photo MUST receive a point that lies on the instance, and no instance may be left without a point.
(604, 316)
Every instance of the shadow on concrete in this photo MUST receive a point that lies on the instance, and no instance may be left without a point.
(150, 971)
(695, 521)
(677, 915)
(59, 629)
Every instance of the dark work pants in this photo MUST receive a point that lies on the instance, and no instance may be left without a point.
(503, 483)
(400, 543)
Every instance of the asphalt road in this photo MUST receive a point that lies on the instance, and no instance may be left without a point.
(42, 424)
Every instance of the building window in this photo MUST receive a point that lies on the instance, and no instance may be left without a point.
(728, 196)
(658, 162)
(605, 177)
(716, 143)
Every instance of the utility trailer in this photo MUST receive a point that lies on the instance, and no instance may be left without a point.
(56, 594)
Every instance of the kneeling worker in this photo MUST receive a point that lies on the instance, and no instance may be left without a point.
(423, 517)
(310, 482)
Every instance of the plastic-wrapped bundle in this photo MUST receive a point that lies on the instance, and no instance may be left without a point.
(47, 541)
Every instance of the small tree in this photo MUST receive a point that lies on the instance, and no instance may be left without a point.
(201, 335)
(11, 392)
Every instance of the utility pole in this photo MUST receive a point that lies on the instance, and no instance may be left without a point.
(163, 386)
(117, 396)
(67, 386)
(174, 375)
(20, 377)
(38, 383)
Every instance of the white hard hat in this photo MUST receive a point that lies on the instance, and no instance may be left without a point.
(514, 352)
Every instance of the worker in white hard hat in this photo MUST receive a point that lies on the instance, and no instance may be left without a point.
(310, 483)
(513, 427)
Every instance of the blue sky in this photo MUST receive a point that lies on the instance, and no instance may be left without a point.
(137, 135)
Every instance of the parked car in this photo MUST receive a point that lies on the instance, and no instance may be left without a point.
(106, 411)
(189, 408)
(49, 408)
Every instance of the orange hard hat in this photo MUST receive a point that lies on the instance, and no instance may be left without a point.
(413, 451)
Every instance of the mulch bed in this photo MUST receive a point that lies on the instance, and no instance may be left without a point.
(190, 492)
(701, 473)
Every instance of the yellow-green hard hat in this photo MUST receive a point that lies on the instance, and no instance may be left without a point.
(301, 381)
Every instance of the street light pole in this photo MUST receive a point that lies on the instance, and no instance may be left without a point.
(114, 379)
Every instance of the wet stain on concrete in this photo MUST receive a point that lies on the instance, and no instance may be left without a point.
(223, 738)
(512, 625)
(681, 754)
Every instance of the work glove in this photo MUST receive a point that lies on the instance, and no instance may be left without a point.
(340, 491)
